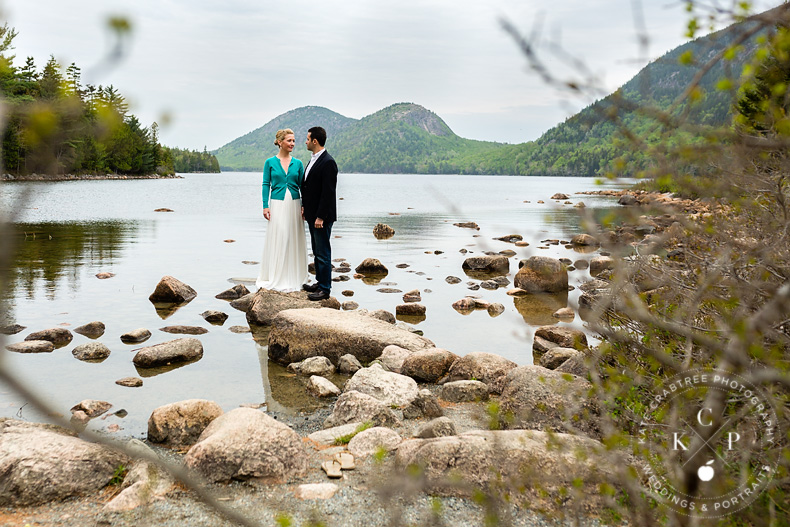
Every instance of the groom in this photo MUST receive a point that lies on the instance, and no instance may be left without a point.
(319, 210)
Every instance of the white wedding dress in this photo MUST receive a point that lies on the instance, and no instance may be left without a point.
(284, 262)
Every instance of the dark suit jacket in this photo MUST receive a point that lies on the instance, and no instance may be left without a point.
(319, 189)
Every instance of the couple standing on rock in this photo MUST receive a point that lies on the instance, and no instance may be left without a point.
(292, 194)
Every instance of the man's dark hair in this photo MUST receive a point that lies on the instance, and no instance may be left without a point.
(319, 134)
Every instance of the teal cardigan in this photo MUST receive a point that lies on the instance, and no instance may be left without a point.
(277, 180)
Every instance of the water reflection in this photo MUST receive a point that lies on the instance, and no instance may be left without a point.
(47, 253)
(286, 392)
(537, 309)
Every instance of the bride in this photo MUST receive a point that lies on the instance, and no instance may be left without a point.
(284, 263)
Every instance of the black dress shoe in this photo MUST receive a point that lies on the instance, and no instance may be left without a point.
(310, 288)
(318, 295)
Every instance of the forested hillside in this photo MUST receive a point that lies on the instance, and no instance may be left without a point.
(56, 125)
(185, 161)
(587, 143)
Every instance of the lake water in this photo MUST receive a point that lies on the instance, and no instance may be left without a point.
(66, 232)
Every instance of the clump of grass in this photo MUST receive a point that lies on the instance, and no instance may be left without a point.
(343, 440)
(118, 475)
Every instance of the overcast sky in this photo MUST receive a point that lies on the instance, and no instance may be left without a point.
(221, 68)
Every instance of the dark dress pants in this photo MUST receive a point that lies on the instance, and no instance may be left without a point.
(322, 253)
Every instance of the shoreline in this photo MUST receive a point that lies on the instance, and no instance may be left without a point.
(84, 177)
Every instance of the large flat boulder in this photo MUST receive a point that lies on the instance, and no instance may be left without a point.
(541, 274)
(552, 469)
(297, 334)
(172, 351)
(180, 424)
(246, 443)
(42, 463)
(537, 398)
(266, 304)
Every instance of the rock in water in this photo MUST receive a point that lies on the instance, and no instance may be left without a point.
(322, 387)
(91, 407)
(487, 264)
(300, 333)
(383, 231)
(246, 443)
(91, 351)
(180, 424)
(179, 350)
(214, 317)
(233, 293)
(92, 330)
(136, 336)
(371, 267)
(57, 336)
(312, 366)
(541, 274)
(410, 310)
(32, 346)
(266, 304)
(44, 463)
(170, 290)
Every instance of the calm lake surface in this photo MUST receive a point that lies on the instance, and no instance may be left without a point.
(66, 232)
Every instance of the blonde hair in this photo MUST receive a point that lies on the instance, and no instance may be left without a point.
(280, 135)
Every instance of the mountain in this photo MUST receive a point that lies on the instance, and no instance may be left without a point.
(402, 138)
(248, 152)
(407, 138)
